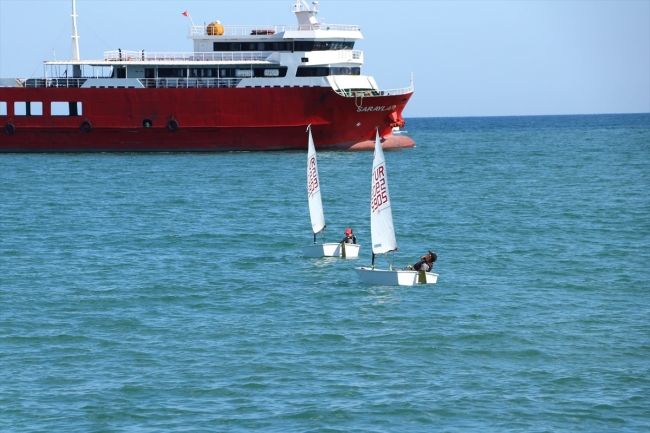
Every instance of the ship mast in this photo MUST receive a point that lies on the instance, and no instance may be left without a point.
(306, 18)
(75, 36)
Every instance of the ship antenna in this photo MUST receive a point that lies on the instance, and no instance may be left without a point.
(75, 36)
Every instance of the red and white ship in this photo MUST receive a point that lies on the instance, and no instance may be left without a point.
(242, 88)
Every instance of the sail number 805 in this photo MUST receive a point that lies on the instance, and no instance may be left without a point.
(379, 191)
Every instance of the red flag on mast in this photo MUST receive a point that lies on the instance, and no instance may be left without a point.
(185, 14)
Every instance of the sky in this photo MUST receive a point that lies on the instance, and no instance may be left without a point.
(468, 58)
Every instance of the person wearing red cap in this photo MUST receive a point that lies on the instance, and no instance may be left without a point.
(349, 238)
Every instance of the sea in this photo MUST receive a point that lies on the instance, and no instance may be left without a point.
(168, 292)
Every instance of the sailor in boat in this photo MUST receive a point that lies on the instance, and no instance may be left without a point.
(425, 263)
(349, 238)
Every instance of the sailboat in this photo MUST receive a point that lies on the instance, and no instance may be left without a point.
(318, 217)
(383, 233)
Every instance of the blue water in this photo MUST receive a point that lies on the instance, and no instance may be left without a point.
(166, 292)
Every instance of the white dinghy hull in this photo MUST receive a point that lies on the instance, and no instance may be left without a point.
(382, 277)
(330, 250)
(351, 251)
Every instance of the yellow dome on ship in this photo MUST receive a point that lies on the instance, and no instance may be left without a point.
(215, 29)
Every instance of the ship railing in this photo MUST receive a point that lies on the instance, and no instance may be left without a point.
(270, 30)
(55, 82)
(189, 83)
(146, 56)
(151, 83)
(369, 93)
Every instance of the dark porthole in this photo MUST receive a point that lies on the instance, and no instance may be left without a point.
(147, 123)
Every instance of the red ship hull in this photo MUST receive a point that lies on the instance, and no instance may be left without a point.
(222, 119)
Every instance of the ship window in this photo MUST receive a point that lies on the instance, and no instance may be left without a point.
(251, 46)
(226, 46)
(270, 72)
(281, 46)
(3, 108)
(60, 109)
(345, 71)
(341, 45)
(20, 108)
(321, 71)
(323, 45)
(35, 108)
(172, 72)
(243, 73)
(311, 71)
(66, 109)
(149, 73)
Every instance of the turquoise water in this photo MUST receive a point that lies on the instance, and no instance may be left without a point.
(166, 292)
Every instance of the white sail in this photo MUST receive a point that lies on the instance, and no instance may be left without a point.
(381, 216)
(313, 189)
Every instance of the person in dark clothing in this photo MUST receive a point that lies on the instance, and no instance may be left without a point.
(349, 238)
(425, 263)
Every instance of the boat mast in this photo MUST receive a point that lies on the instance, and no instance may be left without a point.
(75, 36)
